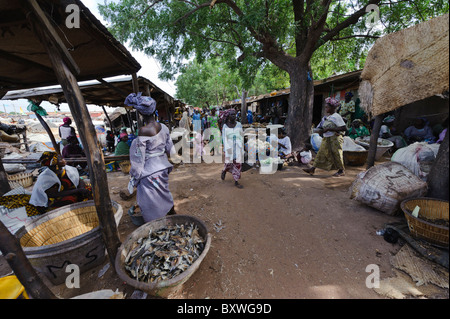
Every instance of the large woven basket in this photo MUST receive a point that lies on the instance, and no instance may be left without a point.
(355, 158)
(20, 179)
(125, 166)
(430, 209)
(67, 235)
(61, 228)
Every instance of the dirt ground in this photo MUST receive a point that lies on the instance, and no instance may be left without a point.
(284, 236)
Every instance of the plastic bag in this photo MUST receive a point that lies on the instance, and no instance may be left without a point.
(350, 145)
(316, 141)
(418, 158)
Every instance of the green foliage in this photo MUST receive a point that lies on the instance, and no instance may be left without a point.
(233, 38)
(212, 82)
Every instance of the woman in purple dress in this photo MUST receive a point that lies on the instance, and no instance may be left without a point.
(150, 167)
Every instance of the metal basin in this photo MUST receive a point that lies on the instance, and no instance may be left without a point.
(163, 288)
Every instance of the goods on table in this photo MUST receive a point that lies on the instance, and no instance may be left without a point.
(164, 253)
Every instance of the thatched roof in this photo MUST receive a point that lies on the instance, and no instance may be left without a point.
(24, 62)
(406, 66)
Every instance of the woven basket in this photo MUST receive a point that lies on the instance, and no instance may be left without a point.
(20, 179)
(431, 209)
(125, 166)
(64, 227)
(355, 158)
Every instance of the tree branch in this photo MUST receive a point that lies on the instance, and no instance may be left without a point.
(356, 36)
(348, 22)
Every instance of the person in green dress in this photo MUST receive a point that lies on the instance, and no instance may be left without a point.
(347, 109)
(122, 147)
(357, 130)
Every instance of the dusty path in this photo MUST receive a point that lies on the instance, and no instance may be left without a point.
(286, 235)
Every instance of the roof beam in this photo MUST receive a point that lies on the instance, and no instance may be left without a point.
(20, 60)
(52, 35)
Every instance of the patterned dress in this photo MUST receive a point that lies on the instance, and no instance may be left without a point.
(347, 108)
(331, 155)
(150, 171)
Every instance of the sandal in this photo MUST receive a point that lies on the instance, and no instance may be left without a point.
(337, 174)
(310, 171)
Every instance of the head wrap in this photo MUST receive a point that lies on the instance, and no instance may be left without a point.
(66, 120)
(332, 102)
(389, 119)
(349, 94)
(143, 104)
(48, 159)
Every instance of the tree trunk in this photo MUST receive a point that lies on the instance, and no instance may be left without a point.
(244, 107)
(301, 102)
(438, 177)
(374, 140)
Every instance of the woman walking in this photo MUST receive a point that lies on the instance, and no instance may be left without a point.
(150, 167)
(233, 143)
(330, 155)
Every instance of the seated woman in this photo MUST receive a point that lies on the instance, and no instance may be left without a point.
(357, 129)
(284, 145)
(73, 150)
(388, 132)
(58, 185)
(122, 147)
(419, 132)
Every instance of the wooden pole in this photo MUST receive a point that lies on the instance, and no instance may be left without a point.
(374, 140)
(19, 263)
(89, 139)
(107, 117)
(49, 132)
(135, 83)
(4, 183)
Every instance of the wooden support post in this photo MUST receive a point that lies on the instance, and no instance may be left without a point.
(24, 271)
(49, 132)
(25, 139)
(374, 140)
(58, 44)
(88, 137)
(107, 117)
(135, 83)
(130, 121)
(4, 183)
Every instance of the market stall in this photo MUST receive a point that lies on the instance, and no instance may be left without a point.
(38, 49)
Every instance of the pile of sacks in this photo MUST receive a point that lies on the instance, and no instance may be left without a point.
(386, 185)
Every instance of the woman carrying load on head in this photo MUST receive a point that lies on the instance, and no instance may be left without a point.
(58, 185)
(233, 147)
(150, 167)
(330, 155)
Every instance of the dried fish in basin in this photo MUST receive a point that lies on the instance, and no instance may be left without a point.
(164, 253)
